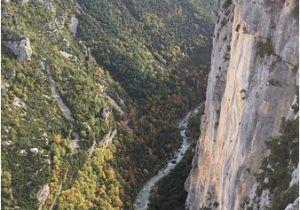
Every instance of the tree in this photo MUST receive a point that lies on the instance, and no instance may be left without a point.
(57, 138)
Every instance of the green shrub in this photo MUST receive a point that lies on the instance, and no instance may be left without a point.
(274, 82)
(281, 199)
(264, 48)
(284, 151)
(226, 4)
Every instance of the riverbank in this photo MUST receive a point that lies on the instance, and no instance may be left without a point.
(142, 200)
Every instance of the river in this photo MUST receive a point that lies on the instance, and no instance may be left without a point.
(142, 199)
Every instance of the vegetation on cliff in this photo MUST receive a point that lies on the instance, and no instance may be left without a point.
(276, 174)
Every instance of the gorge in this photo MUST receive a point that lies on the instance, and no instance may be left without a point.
(142, 200)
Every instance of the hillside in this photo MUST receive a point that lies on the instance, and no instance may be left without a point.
(91, 93)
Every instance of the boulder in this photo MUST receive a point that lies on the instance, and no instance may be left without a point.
(34, 151)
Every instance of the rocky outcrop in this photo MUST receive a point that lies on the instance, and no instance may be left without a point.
(108, 138)
(18, 102)
(105, 114)
(66, 55)
(252, 86)
(34, 151)
(293, 206)
(43, 194)
(21, 49)
(61, 105)
(73, 24)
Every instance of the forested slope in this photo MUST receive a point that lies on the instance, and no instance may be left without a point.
(89, 111)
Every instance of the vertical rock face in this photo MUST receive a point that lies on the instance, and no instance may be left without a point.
(251, 87)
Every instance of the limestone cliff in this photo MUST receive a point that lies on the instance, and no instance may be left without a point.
(252, 86)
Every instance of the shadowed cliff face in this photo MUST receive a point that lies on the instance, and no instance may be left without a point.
(251, 87)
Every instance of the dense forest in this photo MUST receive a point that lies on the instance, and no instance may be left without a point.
(130, 72)
(169, 193)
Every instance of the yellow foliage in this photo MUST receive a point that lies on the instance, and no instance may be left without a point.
(117, 202)
(72, 199)
(100, 71)
(110, 173)
(100, 88)
(57, 138)
(89, 190)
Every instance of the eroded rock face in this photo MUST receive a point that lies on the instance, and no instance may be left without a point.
(255, 43)
(21, 49)
(43, 193)
(73, 25)
(293, 206)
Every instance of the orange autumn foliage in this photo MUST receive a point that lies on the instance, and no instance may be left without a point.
(57, 138)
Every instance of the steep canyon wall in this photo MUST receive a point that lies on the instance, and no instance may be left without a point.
(252, 86)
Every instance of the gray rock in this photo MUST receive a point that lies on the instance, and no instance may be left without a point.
(43, 193)
(74, 24)
(66, 55)
(21, 49)
(18, 102)
(23, 152)
(34, 151)
(7, 143)
(293, 206)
